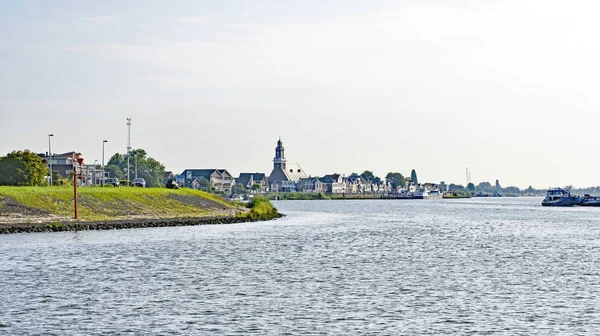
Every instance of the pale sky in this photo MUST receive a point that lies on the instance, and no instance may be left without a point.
(506, 88)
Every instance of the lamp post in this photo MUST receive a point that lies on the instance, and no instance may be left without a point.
(50, 156)
(102, 181)
(94, 177)
(135, 165)
(80, 161)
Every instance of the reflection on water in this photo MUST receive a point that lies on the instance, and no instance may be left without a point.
(330, 267)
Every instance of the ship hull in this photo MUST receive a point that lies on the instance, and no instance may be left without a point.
(566, 201)
(590, 202)
(428, 197)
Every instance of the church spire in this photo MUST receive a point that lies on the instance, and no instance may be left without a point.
(279, 160)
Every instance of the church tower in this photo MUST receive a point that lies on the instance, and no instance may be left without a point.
(279, 159)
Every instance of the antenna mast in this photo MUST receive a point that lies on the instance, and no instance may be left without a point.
(128, 145)
(468, 177)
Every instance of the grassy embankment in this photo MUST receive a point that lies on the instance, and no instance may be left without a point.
(298, 196)
(260, 208)
(105, 204)
(458, 194)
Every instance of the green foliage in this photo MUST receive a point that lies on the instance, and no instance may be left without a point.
(239, 189)
(148, 168)
(299, 196)
(471, 187)
(511, 190)
(256, 186)
(413, 176)
(55, 177)
(260, 208)
(396, 179)
(205, 184)
(114, 171)
(22, 168)
(368, 175)
(484, 187)
(453, 187)
(460, 194)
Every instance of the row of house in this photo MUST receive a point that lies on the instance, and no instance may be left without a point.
(283, 178)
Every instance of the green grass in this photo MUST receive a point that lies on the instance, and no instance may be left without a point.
(260, 209)
(299, 196)
(116, 203)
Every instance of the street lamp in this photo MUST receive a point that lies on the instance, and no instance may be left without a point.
(103, 142)
(136, 165)
(50, 156)
(94, 177)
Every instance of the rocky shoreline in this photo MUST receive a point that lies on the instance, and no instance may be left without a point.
(124, 224)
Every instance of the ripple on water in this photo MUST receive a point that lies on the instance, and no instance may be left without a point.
(503, 266)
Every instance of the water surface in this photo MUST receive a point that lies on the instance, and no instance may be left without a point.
(480, 266)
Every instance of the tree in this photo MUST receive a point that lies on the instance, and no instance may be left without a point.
(240, 189)
(148, 168)
(205, 184)
(396, 179)
(23, 168)
(511, 190)
(484, 187)
(413, 176)
(471, 186)
(114, 171)
(368, 175)
(256, 186)
(453, 187)
(498, 187)
(56, 177)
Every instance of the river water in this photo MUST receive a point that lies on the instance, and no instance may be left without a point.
(479, 266)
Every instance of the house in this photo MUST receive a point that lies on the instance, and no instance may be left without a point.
(284, 176)
(335, 183)
(168, 176)
(62, 163)
(250, 179)
(356, 184)
(219, 179)
(311, 184)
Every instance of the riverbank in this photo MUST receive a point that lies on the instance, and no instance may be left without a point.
(43, 209)
(351, 196)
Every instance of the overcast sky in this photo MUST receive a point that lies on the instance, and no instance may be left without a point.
(506, 88)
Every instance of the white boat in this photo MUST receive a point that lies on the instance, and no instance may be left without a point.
(423, 193)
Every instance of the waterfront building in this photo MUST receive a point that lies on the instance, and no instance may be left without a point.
(62, 163)
(219, 179)
(312, 184)
(284, 177)
(250, 179)
(335, 183)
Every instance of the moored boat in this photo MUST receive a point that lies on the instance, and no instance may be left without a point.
(560, 197)
(588, 200)
(424, 193)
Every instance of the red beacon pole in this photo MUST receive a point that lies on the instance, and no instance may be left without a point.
(80, 161)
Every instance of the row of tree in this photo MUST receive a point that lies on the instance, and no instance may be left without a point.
(25, 168)
(396, 179)
(151, 170)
